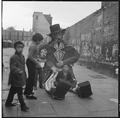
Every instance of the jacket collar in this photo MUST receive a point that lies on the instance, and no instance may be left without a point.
(17, 53)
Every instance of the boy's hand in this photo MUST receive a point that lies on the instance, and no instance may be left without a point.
(34, 87)
(42, 64)
(74, 83)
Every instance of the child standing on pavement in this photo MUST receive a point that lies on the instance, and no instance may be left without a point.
(17, 76)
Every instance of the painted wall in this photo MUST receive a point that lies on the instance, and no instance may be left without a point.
(96, 36)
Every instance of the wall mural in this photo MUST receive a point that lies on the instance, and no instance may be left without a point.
(85, 42)
(99, 44)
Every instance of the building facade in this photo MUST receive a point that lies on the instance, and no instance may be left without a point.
(110, 29)
(41, 23)
(96, 36)
(10, 34)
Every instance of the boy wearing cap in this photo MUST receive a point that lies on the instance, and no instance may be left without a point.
(17, 76)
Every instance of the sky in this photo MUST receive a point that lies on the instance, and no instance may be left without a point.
(19, 14)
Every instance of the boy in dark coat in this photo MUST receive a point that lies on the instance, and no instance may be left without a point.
(17, 76)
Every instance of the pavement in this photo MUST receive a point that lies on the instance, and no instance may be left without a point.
(103, 102)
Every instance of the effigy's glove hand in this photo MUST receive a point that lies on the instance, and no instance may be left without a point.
(42, 64)
(60, 64)
(54, 69)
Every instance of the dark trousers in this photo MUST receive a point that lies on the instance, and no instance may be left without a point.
(71, 71)
(39, 76)
(12, 92)
(31, 77)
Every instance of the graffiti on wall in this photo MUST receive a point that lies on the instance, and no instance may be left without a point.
(98, 23)
(86, 37)
(96, 52)
(110, 50)
(115, 52)
(108, 30)
(85, 44)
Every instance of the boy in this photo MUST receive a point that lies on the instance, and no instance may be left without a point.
(63, 83)
(17, 76)
(65, 75)
(33, 66)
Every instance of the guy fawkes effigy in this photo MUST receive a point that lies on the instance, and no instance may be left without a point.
(58, 76)
(57, 79)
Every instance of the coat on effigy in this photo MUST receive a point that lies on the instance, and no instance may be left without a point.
(56, 51)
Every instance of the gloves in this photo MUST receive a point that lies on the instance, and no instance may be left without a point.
(54, 69)
(60, 64)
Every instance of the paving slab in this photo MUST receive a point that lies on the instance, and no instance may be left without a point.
(11, 111)
(110, 113)
(49, 116)
(37, 108)
(69, 109)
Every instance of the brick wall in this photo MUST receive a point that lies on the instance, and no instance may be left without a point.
(89, 35)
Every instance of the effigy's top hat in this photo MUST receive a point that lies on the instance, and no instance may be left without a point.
(55, 29)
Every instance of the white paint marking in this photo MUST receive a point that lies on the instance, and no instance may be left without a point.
(114, 100)
(18, 103)
(44, 102)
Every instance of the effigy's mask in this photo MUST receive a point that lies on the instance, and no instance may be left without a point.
(57, 35)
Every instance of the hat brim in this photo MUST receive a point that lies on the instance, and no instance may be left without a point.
(62, 31)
